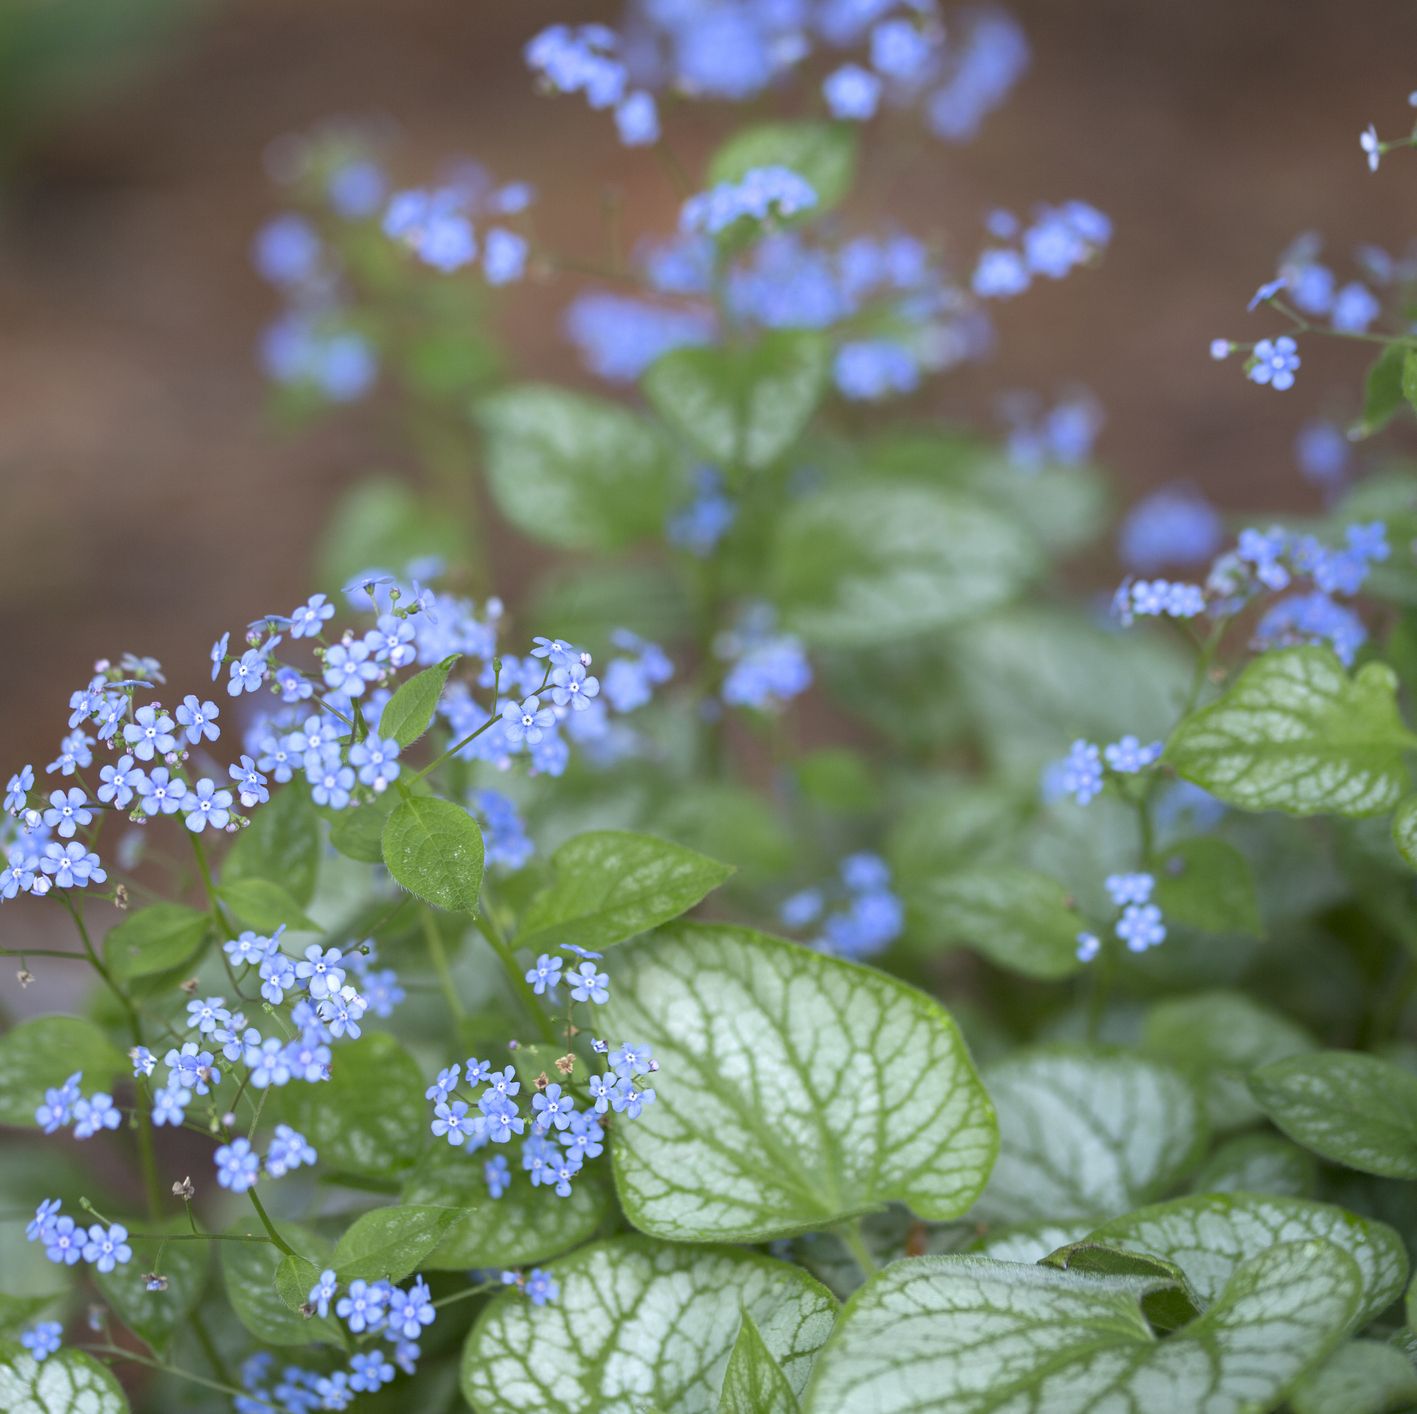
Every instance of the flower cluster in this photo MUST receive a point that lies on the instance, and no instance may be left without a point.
(1173, 526)
(1057, 241)
(1081, 774)
(859, 915)
(761, 194)
(66, 1242)
(1058, 436)
(437, 225)
(42, 1339)
(1140, 925)
(766, 667)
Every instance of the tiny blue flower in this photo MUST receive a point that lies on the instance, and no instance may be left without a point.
(43, 1339)
(237, 1166)
(323, 1292)
(546, 973)
(1274, 362)
(198, 719)
(588, 985)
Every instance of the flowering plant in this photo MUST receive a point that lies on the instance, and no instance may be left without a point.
(441, 1039)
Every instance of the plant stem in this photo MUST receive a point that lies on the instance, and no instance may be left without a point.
(465, 1293)
(268, 1225)
(851, 1234)
(179, 1372)
(439, 955)
(204, 1339)
(498, 943)
(453, 749)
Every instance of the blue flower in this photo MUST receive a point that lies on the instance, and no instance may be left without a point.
(503, 256)
(43, 1221)
(1000, 274)
(1129, 756)
(587, 984)
(526, 721)
(150, 733)
(571, 685)
(1130, 888)
(1140, 927)
(1267, 292)
(348, 668)
(368, 1372)
(637, 119)
(1082, 775)
(218, 654)
(42, 1339)
(867, 370)
(237, 1166)
(206, 805)
(321, 971)
(377, 760)
(67, 811)
(504, 1082)
(323, 1292)
(289, 1149)
(496, 1175)
(541, 1287)
(1273, 363)
(107, 1247)
(451, 1120)
(1372, 148)
(331, 784)
(251, 785)
(246, 673)
(629, 1099)
(631, 1060)
(308, 619)
(552, 1107)
(1088, 946)
(120, 780)
(445, 1084)
(503, 1121)
(760, 194)
(287, 250)
(546, 973)
(363, 1308)
(170, 1105)
(58, 1107)
(72, 866)
(1173, 526)
(619, 336)
(198, 719)
(1354, 308)
(63, 1241)
(852, 93)
(1323, 453)
(17, 790)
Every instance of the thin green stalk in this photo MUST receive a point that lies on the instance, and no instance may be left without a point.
(851, 1234)
(465, 1293)
(204, 1339)
(269, 1225)
(439, 956)
(498, 943)
(177, 1371)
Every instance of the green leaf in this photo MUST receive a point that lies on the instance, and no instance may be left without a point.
(1296, 733)
(16, 1312)
(264, 905)
(67, 1382)
(754, 1382)
(971, 1335)
(1209, 1237)
(154, 939)
(1383, 391)
(1360, 1377)
(518, 1229)
(1087, 1134)
(857, 565)
(1220, 1037)
(1409, 377)
(1256, 1163)
(640, 1324)
(742, 407)
(823, 153)
(1350, 1108)
(358, 833)
(1404, 829)
(575, 471)
(250, 1270)
(38, 1055)
(1205, 883)
(433, 848)
(282, 842)
(390, 1243)
(609, 885)
(1017, 918)
(407, 714)
(370, 1117)
(794, 1090)
(385, 523)
(157, 1316)
(1167, 1306)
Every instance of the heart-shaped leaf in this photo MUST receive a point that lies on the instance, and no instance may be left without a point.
(67, 1382)
(433, 848)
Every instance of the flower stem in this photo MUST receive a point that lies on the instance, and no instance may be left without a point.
(439, 955)
(269, 1225)
(498, 943)
(855, 1240)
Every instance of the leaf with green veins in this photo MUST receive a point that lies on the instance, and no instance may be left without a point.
(516, 1230)
(1220, 1037)
(1404, 829)
(1087, 1134)
(1350, 1108)
(641, 1323)
(390, 1243)
(1360, 1377)
(1207, 884)
(609, 885)
(67, 1382)
(157, 1316)
(1296, 733)
(281, 842)
(754, 1382)
(409, 712)
(1256, 1163)
(296, 1278)
(265, 906)
(1018, 918)
(970, 1335)
(1167, 1306)
(794, 1091)
(858, 565)
(369, 1118)
(742, 406)
(433, 848)
(1209, 1236)
(153, 939)
(823, 153)
(1030, 1242)
(36, 1055)
(575, 471)
(16, 1312)
(250, 1271)
(1382, 391)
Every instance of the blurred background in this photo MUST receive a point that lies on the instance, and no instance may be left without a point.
(148, 497)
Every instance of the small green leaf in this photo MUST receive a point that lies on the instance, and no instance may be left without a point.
(1220, 1037)
(858, 565)
(972, 1335)
(1404, 829)
(38, 1055)
(1017, 918)
(157, 1316)
(1360, 1377)
(1168, 1305)
(408, 713)
(641, 1324)
(823, 153)
(250, 1271)
(358, 833)
(386, 522)
(575, 471)
(390, 1243)
(265, 906)
(742, 407)
(1205, 883)
(16, 1312)
(1350, 1108)
(281, 842)
(67, 1382)
(1383, 390)
(758, 1039)
(1296, 733)
(1209, 1237)
(1256, 1163)
(370, 1117)
(154, 939)
(1087, 1134)
(433, 849)
(754, 1382)
(518, 1229)
(609, 885)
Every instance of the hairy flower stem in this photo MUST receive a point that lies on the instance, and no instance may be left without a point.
(499, 945)
(269, 1225)
(179, 1373)
(439, 956)
(855, 1240)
